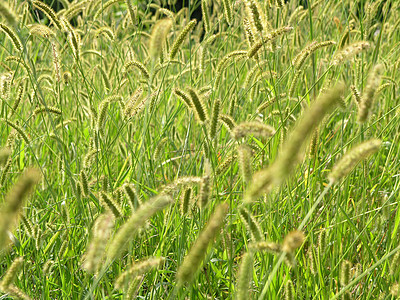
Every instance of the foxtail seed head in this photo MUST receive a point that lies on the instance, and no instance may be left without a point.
(395, 264)
(205, 190)
(215, 118)
(293, 241)
(8, 14)
(303, 131)
(307, 51)
(206, 15)
(138, 219)
(349, 52)
(367, 98)
(270, 247)
(12, 36)
(227, 11)
(130, 192)
(225, 164)
(228, 122)
(251, 224)
(183, 96)
(198, 251)
(352, 158)
(345, 273)
(157, 38)
(180, 182)
(185, 200)
(245, 161)
(270, 37)
(255, 15)
(133, 63)
(198, 105)
(18, 129)
(4, 155)
(49, 12)
(111, 204)
(16, 196)
(11, 274)
(100, 234)
(245, 276)
(356, 94)
(257, 129)
(138, 268)
(181, 38)
(289, 290)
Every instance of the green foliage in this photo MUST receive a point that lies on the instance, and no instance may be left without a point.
(154, 127)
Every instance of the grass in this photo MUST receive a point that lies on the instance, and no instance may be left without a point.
(358, 217)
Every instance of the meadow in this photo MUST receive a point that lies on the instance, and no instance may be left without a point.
(252, 153)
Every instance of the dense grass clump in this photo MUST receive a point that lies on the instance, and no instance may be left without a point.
(250, 154)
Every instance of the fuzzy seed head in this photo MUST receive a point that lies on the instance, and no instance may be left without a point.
(245, 276)
(138, 219)
(349, 52)
(198, 105)
(181, 38)
(257, 129)
(349, 160)
(293, 241)
(345, 273)
(11, 274)
(198, 251)
(158, 35)
(101, 232)
(251, 224)
(368, 96)
(245, 161)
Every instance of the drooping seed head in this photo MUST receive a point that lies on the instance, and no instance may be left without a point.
(257, 129)
(181, 38)
(251, 224)
(368, 96)
(292, 241)
(245, 276)
(197, 253)
(352, 158)
(157, 38)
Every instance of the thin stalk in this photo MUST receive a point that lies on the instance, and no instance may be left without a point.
(282, 256)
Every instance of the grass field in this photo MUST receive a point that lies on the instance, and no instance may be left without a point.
(253, 154)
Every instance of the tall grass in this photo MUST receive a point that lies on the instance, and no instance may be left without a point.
(251, 154)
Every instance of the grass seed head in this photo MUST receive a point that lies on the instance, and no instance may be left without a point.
(251, 224)
(12, 36)
(345, 272)
(138, 268)
(351, 158)
(349, 52)
(214, 118)
(185, 200)
(49, 12)
(245, 162)
(158, 36)
(101, 232)
(205, 190)
(11, 274)
(192, 261)
(198, 105)
(257, 129)
(368, 96)
(8, 14)
(245, 276)
(289, 290)
(138, 219)
(181, 38)
(5, 153)
(293, 241)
